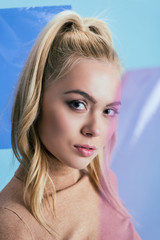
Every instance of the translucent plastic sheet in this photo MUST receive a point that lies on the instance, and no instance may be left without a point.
(136, 159)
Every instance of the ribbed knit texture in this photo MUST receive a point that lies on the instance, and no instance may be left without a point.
(81, 215)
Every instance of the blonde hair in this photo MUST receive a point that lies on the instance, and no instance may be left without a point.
(64, 41)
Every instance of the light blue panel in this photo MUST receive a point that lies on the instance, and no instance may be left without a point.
(8, 166)
(33, 3)
(134, 24)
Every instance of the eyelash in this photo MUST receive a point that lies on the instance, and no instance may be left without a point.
(115, 112)
(71, 103)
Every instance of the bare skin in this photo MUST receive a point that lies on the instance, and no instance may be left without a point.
(80, 109)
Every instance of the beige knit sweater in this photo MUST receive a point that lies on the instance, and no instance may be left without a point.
(81, 215)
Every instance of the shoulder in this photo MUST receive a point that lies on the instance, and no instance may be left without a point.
(12, 210)
(12, 194)
(16, 220)
(12, 226)
(116, 226)
(128, 230)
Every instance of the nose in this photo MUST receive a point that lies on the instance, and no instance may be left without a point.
(91, 128)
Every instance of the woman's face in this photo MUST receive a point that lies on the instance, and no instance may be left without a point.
(79, 112)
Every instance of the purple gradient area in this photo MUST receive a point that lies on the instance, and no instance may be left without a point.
(136, 159)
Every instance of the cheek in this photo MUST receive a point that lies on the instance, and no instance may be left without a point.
(57, 122)
(110, 129)
(62, 124)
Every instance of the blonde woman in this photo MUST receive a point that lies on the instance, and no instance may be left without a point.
(63, 131)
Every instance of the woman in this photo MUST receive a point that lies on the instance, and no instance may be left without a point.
(63, 126)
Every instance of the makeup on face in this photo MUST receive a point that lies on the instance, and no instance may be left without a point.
(111, 109)
(79, 112)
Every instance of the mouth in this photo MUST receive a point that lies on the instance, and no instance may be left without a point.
(85, 150)
(89, 147)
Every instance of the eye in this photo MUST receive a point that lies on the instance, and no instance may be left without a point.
(77, 105)
(111, 112)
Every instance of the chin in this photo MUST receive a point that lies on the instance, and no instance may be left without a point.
(81, 164)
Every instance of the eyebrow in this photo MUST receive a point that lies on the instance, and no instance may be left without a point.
(90, 98)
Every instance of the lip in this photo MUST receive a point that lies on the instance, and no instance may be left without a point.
(85, 150)
(90, 147)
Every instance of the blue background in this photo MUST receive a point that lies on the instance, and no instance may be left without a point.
(135, 28)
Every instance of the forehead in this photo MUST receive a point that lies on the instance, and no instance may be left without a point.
(99, 79)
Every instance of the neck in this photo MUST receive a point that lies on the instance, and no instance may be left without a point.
(62, 175)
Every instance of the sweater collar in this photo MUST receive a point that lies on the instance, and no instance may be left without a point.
(62, 180)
